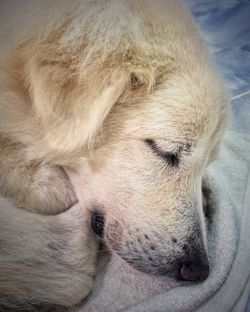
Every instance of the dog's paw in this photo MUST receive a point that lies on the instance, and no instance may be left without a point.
(50, 191)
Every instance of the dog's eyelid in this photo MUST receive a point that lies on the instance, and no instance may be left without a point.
(175, 149)
(172, 157)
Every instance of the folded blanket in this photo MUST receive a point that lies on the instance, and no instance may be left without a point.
(120, 288)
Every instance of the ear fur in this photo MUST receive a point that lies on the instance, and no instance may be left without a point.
(72, 109)
(71, 91)
(71, 102)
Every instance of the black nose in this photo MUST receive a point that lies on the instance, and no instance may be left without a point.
(195, 269)
(97, 223)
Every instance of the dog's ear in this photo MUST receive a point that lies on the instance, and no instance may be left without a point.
(72, 108)
(70, 95)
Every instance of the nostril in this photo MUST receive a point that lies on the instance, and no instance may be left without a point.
(191, 272)
(97, 223)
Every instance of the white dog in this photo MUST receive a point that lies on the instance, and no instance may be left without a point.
(123, 97)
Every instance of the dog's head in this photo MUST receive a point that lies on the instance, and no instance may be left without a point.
(143, 183)
(146, 119)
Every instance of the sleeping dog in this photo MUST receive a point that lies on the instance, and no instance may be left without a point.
(110, 113)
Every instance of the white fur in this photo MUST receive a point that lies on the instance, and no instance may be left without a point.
(83, 85)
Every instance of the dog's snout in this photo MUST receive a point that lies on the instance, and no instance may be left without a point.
(195, 269)
(97, 223)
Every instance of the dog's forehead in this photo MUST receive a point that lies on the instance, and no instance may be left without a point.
(178, 113)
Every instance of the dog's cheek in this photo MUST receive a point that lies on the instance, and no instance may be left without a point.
(113, 234)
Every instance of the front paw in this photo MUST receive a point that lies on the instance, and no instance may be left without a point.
(50, 192)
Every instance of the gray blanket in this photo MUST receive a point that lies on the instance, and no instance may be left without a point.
(120, 288)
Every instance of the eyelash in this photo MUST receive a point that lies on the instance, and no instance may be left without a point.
(171, 158)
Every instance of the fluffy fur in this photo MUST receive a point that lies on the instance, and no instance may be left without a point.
(85, 87)
(43, 259)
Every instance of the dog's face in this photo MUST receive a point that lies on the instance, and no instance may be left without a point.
(143, 184)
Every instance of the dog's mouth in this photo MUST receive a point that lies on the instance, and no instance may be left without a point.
(97, 223)
(188, 270)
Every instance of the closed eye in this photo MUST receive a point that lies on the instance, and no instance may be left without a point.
(173, 159)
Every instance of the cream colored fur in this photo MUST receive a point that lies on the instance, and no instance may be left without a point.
(83, 85)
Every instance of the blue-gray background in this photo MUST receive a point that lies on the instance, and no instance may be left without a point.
(225, 26)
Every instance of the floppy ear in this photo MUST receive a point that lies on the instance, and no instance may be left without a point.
(72, 106)
(70, 94)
